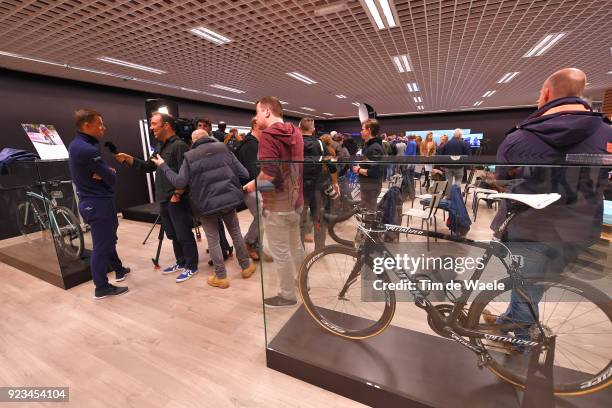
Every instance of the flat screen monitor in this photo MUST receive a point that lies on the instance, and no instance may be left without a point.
(473, 139)
(437, 134)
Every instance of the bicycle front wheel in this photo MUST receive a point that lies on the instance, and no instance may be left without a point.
(27, 220)
(577, 314)
(330, 285)
(67, 233)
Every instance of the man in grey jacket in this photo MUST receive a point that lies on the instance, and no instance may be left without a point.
(213, 175)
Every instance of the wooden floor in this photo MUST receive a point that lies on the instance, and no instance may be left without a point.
(162, 344)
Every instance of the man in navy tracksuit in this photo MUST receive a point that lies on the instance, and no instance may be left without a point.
(94, 181)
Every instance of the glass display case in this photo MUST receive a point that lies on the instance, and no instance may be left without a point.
(42, 233)
(440, 281)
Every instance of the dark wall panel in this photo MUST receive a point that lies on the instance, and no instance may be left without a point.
(493, 123)
(27, 98)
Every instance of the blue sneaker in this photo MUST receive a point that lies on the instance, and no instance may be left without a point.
(187, 274)
(173, 269)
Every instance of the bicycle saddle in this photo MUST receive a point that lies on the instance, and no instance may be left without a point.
(537, 201)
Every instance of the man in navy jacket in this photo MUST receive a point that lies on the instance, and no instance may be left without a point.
(551, 238)
(94, 181)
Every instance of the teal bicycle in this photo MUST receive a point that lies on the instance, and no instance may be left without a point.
(39, 214)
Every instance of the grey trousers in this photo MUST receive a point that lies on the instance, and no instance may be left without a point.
(285, 246)
(211, 229)
(255, 232)
(454, 175)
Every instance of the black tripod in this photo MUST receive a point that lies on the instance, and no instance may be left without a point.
(160, 237)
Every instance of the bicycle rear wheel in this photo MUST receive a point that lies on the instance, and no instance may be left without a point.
(579, 315)
(68, 234)
(321, 279)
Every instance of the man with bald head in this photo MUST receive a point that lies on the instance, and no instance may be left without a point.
(213, 175)
(563, 124)
(549, 239)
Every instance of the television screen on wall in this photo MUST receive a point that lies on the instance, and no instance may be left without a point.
(437, 134)
(473, 139)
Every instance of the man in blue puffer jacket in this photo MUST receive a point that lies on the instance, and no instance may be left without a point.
(213, 175)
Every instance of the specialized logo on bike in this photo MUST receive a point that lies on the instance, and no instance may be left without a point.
(467, 344)
(510, 340)
(403, 230)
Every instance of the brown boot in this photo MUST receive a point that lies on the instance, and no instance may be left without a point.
(252, 252)
(249, 270)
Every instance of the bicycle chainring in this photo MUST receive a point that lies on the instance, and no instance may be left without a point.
(445, 310)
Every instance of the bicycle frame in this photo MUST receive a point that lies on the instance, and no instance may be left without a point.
(51, 223)
(451, 324)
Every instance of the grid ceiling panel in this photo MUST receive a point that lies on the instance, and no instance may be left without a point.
(458, 49)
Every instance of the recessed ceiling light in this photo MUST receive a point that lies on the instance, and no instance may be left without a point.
(356, 103)
(307, 109)
(420, 107)
(328, 114)
(97, 71)
(508, 77)
(488, 94)
(10, 54)
(417, 99)
(375, 8)
(284, 103)
(226, 88)
(330, 9)
(478, 103)
(301, 77)
(131, 65)
(545, 44)
(210, 35)
(341, 96)
(412, 87)
(402, 63)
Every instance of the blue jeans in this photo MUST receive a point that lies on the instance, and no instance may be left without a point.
(539, 260)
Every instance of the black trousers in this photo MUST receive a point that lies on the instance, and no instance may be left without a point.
(177, 221)
(369, 193)
(315, 201)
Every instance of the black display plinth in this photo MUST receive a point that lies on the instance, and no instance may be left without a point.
(403, 368)
(40, 260)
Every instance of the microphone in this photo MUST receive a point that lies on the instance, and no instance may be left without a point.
(111, 147)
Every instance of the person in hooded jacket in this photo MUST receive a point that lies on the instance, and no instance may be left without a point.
(213, 175)
(317, 178)
(247, 156)
(283, 199)
(549, 239)
(370, 174)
